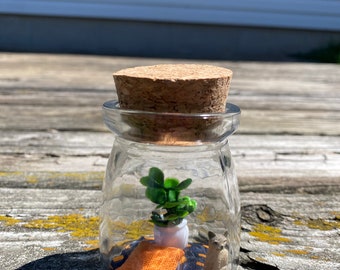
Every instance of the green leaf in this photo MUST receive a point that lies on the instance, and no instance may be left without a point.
(192, 205)
(182, 206)
(185, 199)
(156, 175)
(173, 195)
(182, 213)
(168, 205)
(165, 193)
(184, 184)
(156, 195)
(171, 183)
(146, 181)
(172, 217)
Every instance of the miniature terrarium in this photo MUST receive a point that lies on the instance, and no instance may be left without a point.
(170, 195)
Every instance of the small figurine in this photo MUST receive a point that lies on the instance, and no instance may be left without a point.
(217, 256)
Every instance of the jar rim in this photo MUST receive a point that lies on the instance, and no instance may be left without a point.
(231, 110)
(163, 128)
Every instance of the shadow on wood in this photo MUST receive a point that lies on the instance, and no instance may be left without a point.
(88, 260)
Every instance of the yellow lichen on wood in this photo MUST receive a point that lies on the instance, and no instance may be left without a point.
(49, 248)
(7, 174)
(297, 251)
(315, 257)
(133, 230)
(9, 221)
(279, 254)
(209, 214)
(80, 176)
(92, 244)
(32, 179)
(139, 228)
(269, 234)
(319, 224)
(260, 259)
(78, 225)
(35, 177)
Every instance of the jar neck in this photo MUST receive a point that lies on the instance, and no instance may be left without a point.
(161, 147)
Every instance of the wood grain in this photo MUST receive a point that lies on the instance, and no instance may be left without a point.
(66, 93)
(54, 148)
(271, 163)
(289, 234)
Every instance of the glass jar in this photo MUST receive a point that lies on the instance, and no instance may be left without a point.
(183, 146)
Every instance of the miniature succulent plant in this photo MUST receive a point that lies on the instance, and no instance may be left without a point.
(171, 207)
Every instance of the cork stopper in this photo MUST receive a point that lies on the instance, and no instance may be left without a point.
(174, 88)
(184, 88)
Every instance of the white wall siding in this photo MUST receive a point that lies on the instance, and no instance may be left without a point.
(297, 14)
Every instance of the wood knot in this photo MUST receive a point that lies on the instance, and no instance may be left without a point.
(260, 213)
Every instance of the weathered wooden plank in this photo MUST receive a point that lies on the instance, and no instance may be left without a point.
(55, 143)
(301, 233)
(41, 118)
(46, 118)
(51, 97)
(303, 98)
(36, 223)
(78, 160)
(287, 163)
(283, 230)
(94, 72)
(245, 98)
(60, 169)
(280, 147)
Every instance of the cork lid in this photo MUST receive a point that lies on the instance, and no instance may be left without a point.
(185, 88)
(176, 72)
